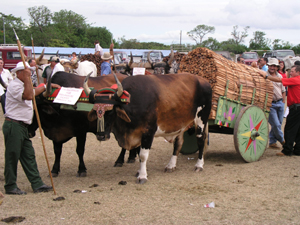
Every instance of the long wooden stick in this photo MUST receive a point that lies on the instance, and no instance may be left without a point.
(36, 69)
(36, 113)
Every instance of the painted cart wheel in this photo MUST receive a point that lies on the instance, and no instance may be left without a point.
(251, 133)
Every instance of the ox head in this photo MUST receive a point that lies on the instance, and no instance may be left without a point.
(164, 67)
(107, 106)
(69, 66)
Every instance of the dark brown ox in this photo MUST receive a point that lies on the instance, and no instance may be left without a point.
(61, 125)
(159, 106)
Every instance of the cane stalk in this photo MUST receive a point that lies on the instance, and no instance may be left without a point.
(36, 113)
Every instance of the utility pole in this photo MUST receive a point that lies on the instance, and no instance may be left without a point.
(180, 40)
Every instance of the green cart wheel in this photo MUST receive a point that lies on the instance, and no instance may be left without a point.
(251, 133)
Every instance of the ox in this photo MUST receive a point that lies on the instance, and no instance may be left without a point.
(159, 106)
(61, 125)
(80, 68)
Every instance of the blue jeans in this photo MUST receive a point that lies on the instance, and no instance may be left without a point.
(275, 120)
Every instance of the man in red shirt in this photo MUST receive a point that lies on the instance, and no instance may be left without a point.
(292, 126)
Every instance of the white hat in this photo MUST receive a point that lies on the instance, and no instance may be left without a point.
(106, 56)
(273, 61)
(20, 66)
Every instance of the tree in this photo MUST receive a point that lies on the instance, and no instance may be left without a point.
(71, 28)
(40, 25)
(259, 42)
(199, 32)
(11, 22)
(238, 36)
(101, 34)
(296, 49)
(211, 43)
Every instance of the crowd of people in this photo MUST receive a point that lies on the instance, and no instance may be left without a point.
(286, 85)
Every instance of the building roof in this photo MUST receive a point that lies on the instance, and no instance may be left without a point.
(84, 51)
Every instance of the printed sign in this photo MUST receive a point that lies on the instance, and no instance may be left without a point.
(68, 96)
(138, 71)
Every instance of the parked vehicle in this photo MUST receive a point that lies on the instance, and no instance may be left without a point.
(155, 56)
(250, 57)
(279, 54)
(11, 55)
(121, 56)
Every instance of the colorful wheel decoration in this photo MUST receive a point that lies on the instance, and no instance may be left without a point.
(251, 133)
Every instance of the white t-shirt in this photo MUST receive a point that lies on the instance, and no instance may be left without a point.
(98, 49)
(17, 108)
(7, 78)
(58, 67)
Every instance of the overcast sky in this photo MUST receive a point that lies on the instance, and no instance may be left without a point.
(162, 20)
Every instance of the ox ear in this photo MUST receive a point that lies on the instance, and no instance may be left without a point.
(123, 115)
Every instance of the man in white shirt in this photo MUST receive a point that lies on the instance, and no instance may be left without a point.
(98, 49)
(18, 146)
(54, 60)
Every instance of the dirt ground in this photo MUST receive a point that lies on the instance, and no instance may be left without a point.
(262, 192)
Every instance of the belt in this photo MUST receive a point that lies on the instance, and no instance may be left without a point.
(17, 121)
(277, 100)
(295, 106)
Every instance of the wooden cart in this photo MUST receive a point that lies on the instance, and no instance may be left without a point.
(241, 101)
(247, 123)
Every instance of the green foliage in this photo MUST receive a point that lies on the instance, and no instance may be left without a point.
(259, 42)
(211, 43)
(296, 49)
(11, 22)
(231, 46)
(99, 33)
(57, 42)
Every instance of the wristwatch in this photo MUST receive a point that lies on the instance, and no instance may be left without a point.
(266, 76)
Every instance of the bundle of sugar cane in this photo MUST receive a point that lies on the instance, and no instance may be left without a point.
(218, 71)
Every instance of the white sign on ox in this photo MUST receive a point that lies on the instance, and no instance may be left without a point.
(68, 96)
(138, 71)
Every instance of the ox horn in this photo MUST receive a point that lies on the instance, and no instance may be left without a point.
(171, 57)
(85, 84)
(48, 90)
(131, 60)
(148, 57)
(120, 87)
(39, 59)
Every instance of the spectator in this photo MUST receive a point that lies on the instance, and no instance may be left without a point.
(263, 64)
(98, 49)
(18, 116)
(277, 109)
(105, 66)
(54, 67)
(240, 60)
(281, 69)
(32, 63)
(6, 78)
(292, 126)
(74, 57)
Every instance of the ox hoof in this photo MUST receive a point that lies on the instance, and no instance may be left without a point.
(141, 181)
(137, 174)
(81, 174)
(198, 169)
(118, 164)
(131, 161)
(53, 175)
(170, 170)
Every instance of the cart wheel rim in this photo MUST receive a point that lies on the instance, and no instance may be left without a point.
(251, 133)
